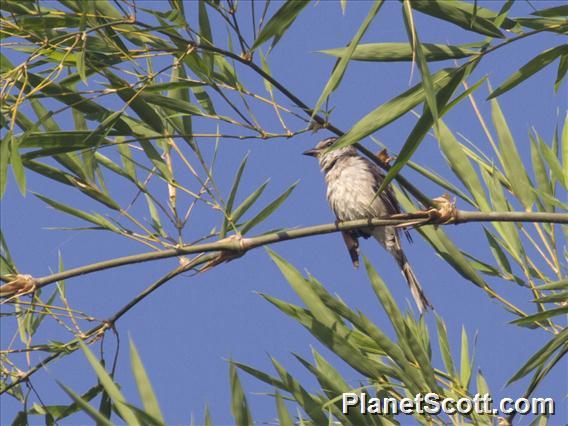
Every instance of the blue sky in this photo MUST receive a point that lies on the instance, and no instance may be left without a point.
(186, 331)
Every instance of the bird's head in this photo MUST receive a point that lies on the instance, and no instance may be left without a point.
(328, 158)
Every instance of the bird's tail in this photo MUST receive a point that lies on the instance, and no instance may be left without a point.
(415, 287)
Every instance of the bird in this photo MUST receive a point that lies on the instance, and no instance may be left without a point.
(352, 183)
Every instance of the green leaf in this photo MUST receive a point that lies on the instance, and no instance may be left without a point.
(126, 158)
(144, 385)
(424, 124)
(280, 22)
(110, 386)
(341, 66)
(5, 145)
(207, 421)
(181, 92)
(556, 285)
(93, 218)
(310, 405)
(461, 165)
(239, 405)
(561, 73)
(155, 216)
(560, 11)
(559, 174)
(232, 194)
(338, 339)
(135, 101)
(173, 104)
(304, 289)
(268, 210)
(461, 14)
(445, 349)
(395, 52)
(205, 35)
(553, 298)
(533, 66)
(247, 203)
(540, 316)
(540, 173)
(156, 159)
(539, 358)
(260, 375)
(17, 166)
(86, 407)
(439, 180)
(465, 362)
(392, 109)
(284, 418)
(59, 412)
(422, 63)
(511, 160)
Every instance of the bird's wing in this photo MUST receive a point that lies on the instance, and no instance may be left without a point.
(387, 196)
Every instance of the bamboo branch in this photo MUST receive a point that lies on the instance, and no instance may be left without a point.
(237, 246)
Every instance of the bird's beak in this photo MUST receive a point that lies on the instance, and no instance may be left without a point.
(311, 152)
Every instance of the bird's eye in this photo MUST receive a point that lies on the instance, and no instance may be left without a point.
(329, 143)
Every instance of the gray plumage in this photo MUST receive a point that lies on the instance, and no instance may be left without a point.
(352, 182)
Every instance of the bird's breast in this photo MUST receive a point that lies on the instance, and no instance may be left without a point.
(351, 193)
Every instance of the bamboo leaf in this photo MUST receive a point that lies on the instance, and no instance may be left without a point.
(303, 288)
(280, 22)
(511, 160)
(561, 11)
(529, 320)
(93, 218)
(17, 166)
(445, 349)
(304, 398)
(86, 407)
(145, 389)
(424, 124)
(461, 165)
(395, 52)
(338, 339)
(539, 358)
(5, 145)
(461, 14)
(132, 97)
(173, 104)
(556, 285)
(532, 67)
(284, 418)
(559, 174)
(553, 298)
(540, 173)
(110, 387)
(341, 66)
(439, 180)
(247, 203)
(232, 194)
(181, 92)
(239, 405)
(391, 110)
(561, 73)
(465, 363)
(205, 35)
(422, 63)
(268, 210)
